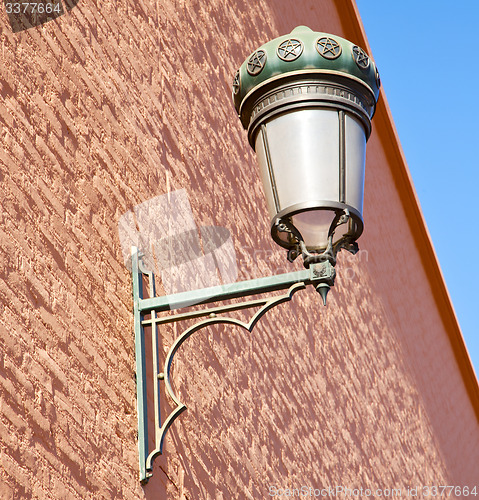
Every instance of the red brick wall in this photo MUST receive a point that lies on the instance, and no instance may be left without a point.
(117, 102)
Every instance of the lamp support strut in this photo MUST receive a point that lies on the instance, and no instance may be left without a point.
(320, 274)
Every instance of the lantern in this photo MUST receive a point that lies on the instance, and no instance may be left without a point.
(307, 100)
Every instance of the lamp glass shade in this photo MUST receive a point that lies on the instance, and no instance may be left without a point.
(355, 146)
(312, 166)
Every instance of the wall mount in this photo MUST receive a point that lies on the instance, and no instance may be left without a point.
(319, 274)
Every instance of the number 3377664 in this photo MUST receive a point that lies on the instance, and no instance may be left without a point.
(32, 7)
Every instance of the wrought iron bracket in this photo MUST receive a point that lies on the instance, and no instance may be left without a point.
(321, 275)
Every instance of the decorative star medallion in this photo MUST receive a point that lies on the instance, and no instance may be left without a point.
(289, 50)
(360, 57)
(236, 83)
(256, 62)
(328, 47)
(378, 79)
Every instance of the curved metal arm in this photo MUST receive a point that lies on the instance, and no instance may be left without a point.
(321, 275)
(166, 375)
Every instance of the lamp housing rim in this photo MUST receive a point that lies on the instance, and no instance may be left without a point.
(301, 91)
(265, 66)
(316, 205)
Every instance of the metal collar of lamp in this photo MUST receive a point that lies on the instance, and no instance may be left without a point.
(306, 100)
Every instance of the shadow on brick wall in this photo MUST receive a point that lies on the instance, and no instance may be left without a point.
(25, 14)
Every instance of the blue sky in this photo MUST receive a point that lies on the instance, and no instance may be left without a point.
(427, 53)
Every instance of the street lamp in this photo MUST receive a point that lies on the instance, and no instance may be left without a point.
(307, 100)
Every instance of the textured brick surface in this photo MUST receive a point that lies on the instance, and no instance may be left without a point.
(117, 102)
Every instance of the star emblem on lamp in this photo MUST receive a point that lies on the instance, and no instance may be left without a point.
(290, 49)
(361, 58)
(378, 78)
(236, 83)
(328, 47)
(256, 63)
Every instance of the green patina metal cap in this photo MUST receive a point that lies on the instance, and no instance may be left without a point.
(301, 54)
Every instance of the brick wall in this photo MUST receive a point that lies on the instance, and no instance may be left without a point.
(115, 103)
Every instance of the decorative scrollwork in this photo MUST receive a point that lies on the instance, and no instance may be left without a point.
(145, 312)
(266, 304)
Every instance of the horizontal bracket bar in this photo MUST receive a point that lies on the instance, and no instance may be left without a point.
(226, 292)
